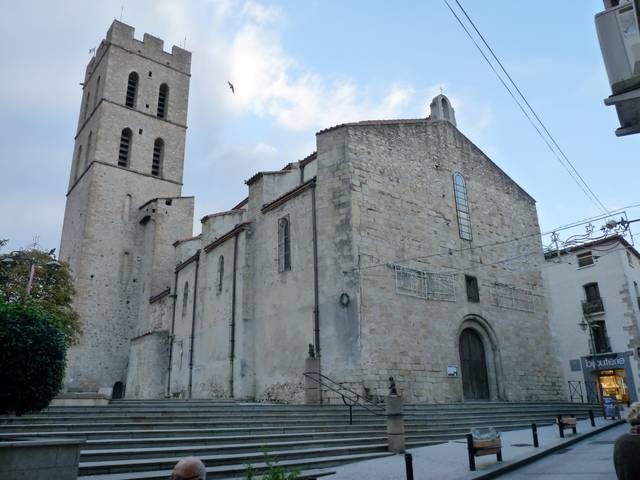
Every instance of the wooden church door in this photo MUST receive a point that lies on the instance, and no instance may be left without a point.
(473, 365)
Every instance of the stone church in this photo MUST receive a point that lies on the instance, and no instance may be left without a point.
(397, 248)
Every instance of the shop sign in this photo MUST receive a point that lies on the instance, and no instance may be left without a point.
(605, 362)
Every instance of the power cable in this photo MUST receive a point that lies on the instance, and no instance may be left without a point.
(579, 181)
(529, 105)
(450, 251)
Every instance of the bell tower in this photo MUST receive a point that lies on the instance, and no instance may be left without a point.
(129, 150)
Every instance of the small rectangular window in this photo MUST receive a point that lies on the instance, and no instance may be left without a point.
(585, 259)
(473, 293)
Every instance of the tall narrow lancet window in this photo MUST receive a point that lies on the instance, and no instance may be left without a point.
(132, 90)
(158, 153)
(79, 162)
(95, 97)
(124, 152)
(220, 273)
(462, 207)
(163, 100)
(86, 104)
(284, 245)
(185, 298)
(87, 152)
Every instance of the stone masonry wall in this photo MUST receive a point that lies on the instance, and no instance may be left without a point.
(394, 205)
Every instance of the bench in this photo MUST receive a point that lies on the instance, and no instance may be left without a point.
(566, 421)
(483, 442)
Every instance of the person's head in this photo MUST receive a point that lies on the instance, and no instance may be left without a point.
(189, 468)
(633, 415)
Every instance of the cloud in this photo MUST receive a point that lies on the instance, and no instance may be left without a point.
(269, 83)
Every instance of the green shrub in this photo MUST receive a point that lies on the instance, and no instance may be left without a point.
(32, 358)
(274, 471)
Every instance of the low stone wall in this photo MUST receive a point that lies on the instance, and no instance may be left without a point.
(51, 459)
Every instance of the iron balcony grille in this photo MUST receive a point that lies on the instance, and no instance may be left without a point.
(590, 307)
(512, 297)
(428, 286)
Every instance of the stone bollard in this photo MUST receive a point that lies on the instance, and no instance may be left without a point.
(395, 424)
(311, 387)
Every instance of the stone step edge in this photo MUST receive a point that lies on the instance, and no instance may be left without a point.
(316, 452)
(237, 468)
(256, 446)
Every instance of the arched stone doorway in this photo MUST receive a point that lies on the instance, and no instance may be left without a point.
(473, 366)
(493, 363)
(118, 390)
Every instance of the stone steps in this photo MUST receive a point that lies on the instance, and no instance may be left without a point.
(237, 471)
(167, 462)
(180, 417)
(145, 439)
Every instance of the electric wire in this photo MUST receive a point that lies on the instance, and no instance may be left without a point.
(524, 98)
(585, 188)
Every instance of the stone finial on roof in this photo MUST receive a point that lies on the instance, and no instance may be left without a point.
(441, 109)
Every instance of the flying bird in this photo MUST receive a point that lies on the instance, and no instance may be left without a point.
(233, 90)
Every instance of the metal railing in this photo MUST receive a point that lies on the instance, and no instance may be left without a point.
(590, 394)
(349, 397)
(589, 307)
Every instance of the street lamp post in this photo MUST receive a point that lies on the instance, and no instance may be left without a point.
(585, 324)
(10, 261)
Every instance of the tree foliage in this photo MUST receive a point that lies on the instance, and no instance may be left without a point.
(32, 358)
(51, 289)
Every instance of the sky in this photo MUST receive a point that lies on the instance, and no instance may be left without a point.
(299, 67)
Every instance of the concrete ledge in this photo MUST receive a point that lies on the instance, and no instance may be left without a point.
(502, 469)
(22, 458)
(80, 400)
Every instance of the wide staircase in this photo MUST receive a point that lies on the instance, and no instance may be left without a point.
(131, 439)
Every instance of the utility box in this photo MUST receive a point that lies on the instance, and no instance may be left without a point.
(619, 38)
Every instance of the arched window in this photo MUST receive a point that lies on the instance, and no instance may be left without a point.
(86, 104)
(220, 272)
(95, 98)
(185, 298)
(462, 207)
(125, 148)
(163, 100)
(88, 150)
(79, 161)
(445, 109)
(158, 153)
(132, 90)
(284, 245)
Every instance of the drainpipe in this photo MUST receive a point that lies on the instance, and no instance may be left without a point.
(232, 325)
(316, 308)
(193, 321)
(173, 324)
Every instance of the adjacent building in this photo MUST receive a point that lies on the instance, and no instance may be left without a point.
(619, 38)
(595, 317)
(397, 248)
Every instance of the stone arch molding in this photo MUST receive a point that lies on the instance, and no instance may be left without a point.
(492, 353)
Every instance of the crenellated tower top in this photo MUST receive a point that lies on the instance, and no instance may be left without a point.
(122, 35)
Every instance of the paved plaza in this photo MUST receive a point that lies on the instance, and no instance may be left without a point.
(589, 459)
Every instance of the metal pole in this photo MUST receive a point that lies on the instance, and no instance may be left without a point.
(408, 463)
(472, 459)
(32, 272)
(350, 414)
(534, 431)
(560, 426)
(593, 421)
